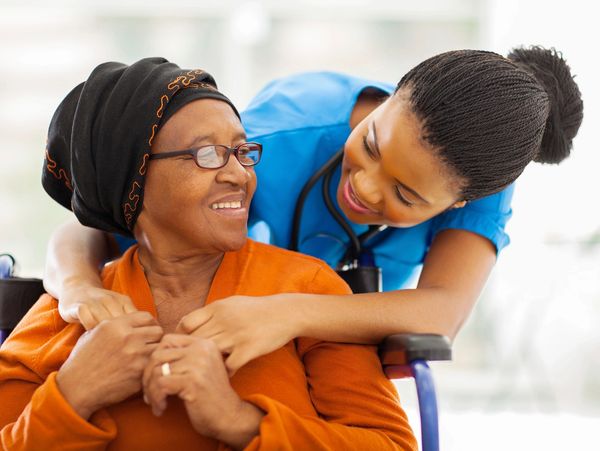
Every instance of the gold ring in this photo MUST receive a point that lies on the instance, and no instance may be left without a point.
(165, 368)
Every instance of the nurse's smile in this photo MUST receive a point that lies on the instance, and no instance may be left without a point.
(354, 202)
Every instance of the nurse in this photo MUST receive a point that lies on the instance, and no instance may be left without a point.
(433, 159)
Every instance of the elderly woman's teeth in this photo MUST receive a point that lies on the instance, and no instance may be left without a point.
(219, 205)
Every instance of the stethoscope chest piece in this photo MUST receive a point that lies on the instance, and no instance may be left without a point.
(362, 279)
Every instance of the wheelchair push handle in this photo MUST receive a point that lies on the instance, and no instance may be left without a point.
(7, 266)
(402, 349)
(406, 355)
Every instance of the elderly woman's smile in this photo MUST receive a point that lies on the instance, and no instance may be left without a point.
(231, 205)
(194, 207)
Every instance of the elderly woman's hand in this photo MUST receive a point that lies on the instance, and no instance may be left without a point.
(90, 305)
(107, 363)
(244, 327)
(197, 375)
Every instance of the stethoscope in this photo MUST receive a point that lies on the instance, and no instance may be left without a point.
(357, 266)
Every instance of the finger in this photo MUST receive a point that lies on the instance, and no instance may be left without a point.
(155, 397)
(162, 355)
(158, 358)
(176, 340)
(127, 305)
(206, 331)
(194, 320)
(235, 361)
(158, 391)
(150, 348)
(224, 343)
(154, 380)
(112, 306)
(69, 314)
(86, 318)
(99, 312)
(150, 334)
(139, 319)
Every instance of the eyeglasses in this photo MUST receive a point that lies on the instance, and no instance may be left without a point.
(215, 156)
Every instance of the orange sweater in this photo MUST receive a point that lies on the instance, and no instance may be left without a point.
(316, 395)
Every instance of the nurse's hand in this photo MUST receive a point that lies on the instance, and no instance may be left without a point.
(197, 375)
(89, 305)
(244, 327)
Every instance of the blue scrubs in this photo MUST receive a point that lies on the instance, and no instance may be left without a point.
(302, 120)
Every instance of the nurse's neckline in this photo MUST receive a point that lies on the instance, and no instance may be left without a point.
(369, 99)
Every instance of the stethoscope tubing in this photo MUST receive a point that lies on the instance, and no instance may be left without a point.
(326, 171)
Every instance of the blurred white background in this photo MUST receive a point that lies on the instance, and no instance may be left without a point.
(527, 364)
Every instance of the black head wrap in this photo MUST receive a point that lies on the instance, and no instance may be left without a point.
(100, 137)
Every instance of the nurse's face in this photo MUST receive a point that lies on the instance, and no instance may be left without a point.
(389, 175)
(188, 209)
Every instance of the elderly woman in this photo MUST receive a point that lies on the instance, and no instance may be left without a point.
(157, 152)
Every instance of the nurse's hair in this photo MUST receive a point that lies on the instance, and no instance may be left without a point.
(488, 116)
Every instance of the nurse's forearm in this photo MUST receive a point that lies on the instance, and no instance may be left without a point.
(75, 253)
(454, 273)
(369, 318)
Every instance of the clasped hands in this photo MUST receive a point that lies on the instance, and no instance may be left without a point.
(124, 354)
(242, 327)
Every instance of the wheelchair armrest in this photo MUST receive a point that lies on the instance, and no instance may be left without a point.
(401, 349)
(17, 295)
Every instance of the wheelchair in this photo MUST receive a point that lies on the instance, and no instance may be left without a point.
(402, 355)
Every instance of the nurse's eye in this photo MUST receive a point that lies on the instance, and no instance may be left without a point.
(368, 149)
(402, 199)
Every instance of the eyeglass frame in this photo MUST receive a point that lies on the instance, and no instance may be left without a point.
(194, 153)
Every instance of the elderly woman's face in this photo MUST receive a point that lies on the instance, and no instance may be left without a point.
(190, 208)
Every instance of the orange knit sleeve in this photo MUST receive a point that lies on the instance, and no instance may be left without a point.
(33, 414)
(358, 406)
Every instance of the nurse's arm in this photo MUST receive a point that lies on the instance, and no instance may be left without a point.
(454, 273)
(75, 256)
(357, 406)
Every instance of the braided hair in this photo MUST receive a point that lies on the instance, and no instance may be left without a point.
(488, 116)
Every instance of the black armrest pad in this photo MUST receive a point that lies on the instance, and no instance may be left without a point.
(17, 295)
(401, 349)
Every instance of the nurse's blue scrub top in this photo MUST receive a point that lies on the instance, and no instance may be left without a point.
(302, 120)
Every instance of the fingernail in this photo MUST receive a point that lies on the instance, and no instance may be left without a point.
(146, 400)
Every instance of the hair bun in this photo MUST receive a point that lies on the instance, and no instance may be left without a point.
(566, 106)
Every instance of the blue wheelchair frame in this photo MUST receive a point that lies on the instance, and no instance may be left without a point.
(402, 355)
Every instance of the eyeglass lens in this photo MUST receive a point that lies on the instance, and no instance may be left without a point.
(216, 155)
